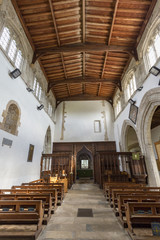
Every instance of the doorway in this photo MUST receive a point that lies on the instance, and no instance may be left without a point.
(84, 164)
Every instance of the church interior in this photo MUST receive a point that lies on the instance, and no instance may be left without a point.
(80, 119)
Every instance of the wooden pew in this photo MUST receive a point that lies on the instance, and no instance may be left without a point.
(45, 198)
(60, 191)
(141, 215)
(129, 188)
(142, 191)
(108, 187)
(22, 213)
(53, 193)
(123, 199)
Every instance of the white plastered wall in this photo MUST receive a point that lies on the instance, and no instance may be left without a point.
(13, 161)
(78, 119)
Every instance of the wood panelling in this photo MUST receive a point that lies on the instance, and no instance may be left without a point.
(84, 38)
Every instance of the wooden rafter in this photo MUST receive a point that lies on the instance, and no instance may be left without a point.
(82, 97)
(82, 80)
(109, 41)
(82, 47)
(58, 40)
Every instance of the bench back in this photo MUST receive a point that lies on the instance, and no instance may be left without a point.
(52, 192)
(123, 199)
(141, 214)
(21, 211)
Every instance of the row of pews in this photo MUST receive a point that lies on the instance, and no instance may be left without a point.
(25, 209)
(137, 208)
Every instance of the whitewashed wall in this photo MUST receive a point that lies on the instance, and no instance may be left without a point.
(13, 161)
(150, 82)
(79, 119)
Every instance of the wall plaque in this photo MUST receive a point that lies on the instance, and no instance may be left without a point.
(30, 153)
(7, 142)
(133, 113)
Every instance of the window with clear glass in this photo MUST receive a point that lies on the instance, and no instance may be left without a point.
(151, 55)
(40, 93)
(12, 50)
(130, 87)
(84, 164)
(157, 44)
(5, 37)
(37, 89)
(34, 84)
(18, 59)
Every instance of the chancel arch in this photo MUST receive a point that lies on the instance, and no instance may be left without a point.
(11, 118)
(149, 103)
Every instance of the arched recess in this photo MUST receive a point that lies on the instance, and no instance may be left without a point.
(11, 118)
(149, 103)
(127, 125)
(84, 169)
(47, 141)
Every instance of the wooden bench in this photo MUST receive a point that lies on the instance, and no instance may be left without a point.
(141, 215)
(123, 199)
(46, 201)
(60, 191)
(56, 185)
(108, 186)
(122, 189)
(21, 213)
(53, 193)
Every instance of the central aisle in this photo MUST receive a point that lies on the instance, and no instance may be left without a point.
(65, 225)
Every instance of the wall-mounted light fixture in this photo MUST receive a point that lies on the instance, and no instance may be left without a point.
(140, 88)
(16, 73)
(29, 89)
(40, 107)
(131, 101)
(154, 70)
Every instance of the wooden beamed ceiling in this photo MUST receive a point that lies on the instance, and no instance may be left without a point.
(84, 46)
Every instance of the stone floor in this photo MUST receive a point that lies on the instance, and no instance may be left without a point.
(65, 225)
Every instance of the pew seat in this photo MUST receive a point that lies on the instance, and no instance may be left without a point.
(141, 215)
(16, 214)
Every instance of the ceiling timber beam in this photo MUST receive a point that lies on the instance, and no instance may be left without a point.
(83, 47)
(83, 80)
(82, 97)
(58, 39)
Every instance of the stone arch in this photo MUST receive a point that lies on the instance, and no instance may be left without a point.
(149, 103)
(11, 118)
(124, 131)
(85, 154)
(47, 148)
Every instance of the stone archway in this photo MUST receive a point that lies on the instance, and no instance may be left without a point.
(147, 108)
(84, 155)
(47, 142)
(124, 132)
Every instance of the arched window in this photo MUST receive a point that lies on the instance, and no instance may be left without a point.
(5, 37)
(11, 119)
(129, 86)
(153, 49)
(50, 109)
(10, 43)
(37, 89)
(117, 105)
